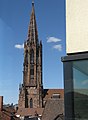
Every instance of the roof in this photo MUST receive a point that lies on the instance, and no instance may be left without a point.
(54, 109)
(49, 92)
(51, 103)
(29, 111)
(8, 114)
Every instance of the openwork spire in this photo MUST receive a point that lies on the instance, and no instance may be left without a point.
(32, 32)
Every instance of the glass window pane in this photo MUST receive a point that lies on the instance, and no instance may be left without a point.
(80, 87)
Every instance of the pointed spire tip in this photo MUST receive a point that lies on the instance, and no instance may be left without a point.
(32, 2)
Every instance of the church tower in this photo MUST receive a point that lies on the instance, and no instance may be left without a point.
(30, 95)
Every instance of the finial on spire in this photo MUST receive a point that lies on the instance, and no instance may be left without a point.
(32, 2)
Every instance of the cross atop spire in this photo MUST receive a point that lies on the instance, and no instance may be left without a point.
(32, 32)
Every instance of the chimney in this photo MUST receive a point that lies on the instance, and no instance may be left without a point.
(1, 103)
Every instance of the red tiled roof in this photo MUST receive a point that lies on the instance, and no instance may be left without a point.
(6, 114)
(30, 111)
(49, 92)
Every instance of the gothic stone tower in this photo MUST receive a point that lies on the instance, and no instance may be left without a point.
(30, 95)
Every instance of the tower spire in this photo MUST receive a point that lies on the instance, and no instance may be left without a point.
(32, 32)
(32, 2)
(31, 90)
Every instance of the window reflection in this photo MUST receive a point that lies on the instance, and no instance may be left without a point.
(80, 89)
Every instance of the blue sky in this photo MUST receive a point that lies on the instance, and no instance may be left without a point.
(14, 22)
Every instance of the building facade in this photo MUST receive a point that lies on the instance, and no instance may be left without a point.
(76, 61)
(75, 86)
(31, 90)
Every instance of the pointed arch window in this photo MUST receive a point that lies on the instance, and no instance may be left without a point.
(32, 56)
(31, 103)
(32, 72)
(26, 56)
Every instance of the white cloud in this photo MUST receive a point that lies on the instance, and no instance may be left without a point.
(53, 39)
(18, 46)
(58, 47)
(85, 82)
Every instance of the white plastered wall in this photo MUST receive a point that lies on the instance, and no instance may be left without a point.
(76, 26)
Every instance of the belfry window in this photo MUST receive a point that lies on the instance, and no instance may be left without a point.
(32, 71)
(32, 56)
(31, 103)
(26, 56)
